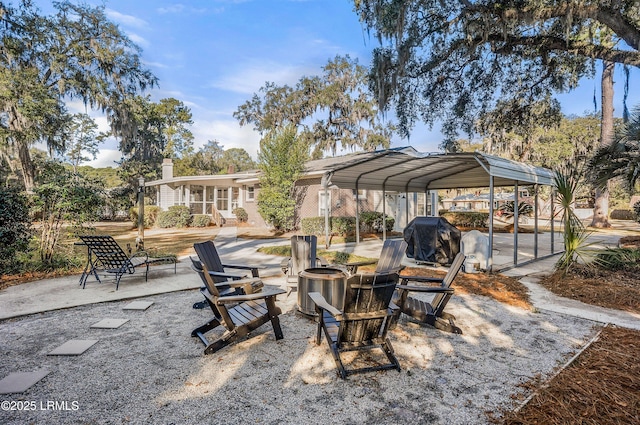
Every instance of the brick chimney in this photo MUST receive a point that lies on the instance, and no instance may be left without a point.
(167, 169)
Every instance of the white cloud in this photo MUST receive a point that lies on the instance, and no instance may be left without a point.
(248, 79)
(105, 158)
(174, 8)
(127, 20)
(228, 133)
(154, 64)
(78, 107)
(139, 40)
(180, 8)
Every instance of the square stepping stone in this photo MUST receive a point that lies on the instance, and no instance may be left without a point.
(74, 347)
(109, 323)
(138, 305)
(19, 382)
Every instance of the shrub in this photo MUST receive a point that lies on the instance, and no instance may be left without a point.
(466, 219)
(371, 221)
(151, 213)
(338, 225)
(182, 215)
(343, 225)
(165, 220)
(241, 214)
(636, 210)
(14, 228)
(175, 216)
(200, 220)
(524, 209)
(619, 259)
(622, 215)
(313, 225)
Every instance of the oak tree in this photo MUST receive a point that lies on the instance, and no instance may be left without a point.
(76, 53)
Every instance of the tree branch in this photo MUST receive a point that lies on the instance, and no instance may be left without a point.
(549, 43)
(611, 18)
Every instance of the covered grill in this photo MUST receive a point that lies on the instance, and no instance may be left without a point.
(432, 240)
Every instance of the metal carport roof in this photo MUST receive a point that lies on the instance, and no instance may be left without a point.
(406, 170)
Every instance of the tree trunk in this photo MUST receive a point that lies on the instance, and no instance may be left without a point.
(601, 205)
(28, 171)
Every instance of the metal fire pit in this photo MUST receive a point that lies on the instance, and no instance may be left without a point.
(331, 283)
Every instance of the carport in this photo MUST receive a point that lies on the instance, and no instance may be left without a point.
(405, 170)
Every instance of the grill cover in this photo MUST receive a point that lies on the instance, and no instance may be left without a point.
(432, 240)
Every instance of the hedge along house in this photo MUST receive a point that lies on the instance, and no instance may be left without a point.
(216, 195)
(406, 173)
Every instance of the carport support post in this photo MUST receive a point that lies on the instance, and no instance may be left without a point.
(384, 214)
(491, 193)
(515, 223)
(140, 238)
(357, 216)
(326, 215)
(553, 214)
(535, 221)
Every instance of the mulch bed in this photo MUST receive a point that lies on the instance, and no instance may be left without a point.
(600, 387)
(611, 289)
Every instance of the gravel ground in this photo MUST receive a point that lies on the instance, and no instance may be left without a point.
(151, 370)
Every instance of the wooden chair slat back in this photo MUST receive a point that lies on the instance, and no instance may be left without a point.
(366, 294)
(439, 302)
(393, 251)
(225, 319)
(208, 255)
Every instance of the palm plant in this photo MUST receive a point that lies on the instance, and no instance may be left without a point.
(621, 159)
(575, 234)
(507, 210)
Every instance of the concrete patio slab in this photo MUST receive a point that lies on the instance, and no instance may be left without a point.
(73, 347)
(19, 382)
(109, 324)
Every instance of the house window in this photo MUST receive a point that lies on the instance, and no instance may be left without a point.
(359, 194)
(196, 196)
(181, 195)
(251, 193)
(420, 204)
(223, 200)
(210, 199)
(324, 201)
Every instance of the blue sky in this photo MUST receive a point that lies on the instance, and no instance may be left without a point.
(214, 54)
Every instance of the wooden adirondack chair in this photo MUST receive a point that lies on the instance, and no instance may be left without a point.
(363, 323)
(303, 256)
(249, 312)
(208, 254)
(247, 286)
(430, 313)
(390, 260)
